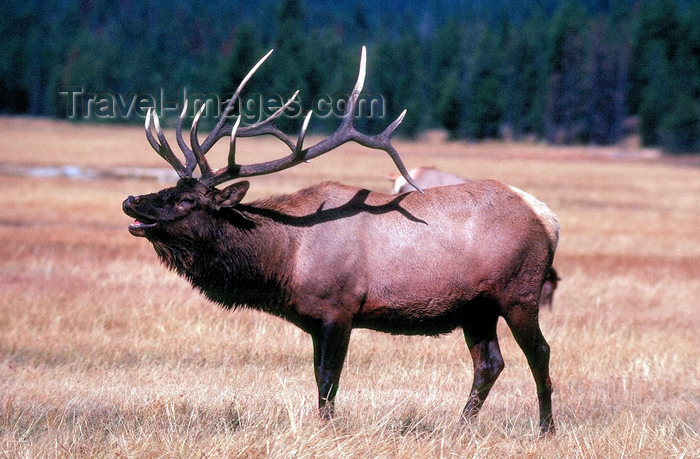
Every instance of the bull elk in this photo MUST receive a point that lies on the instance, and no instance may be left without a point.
(331, 257)
(429, 177)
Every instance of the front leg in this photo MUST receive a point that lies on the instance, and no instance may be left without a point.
(330, 348)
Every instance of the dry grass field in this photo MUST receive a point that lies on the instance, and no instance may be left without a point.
(105, 353)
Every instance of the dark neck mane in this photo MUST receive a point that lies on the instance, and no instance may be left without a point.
(236, 261)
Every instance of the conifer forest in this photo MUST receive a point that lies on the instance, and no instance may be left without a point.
(575, 71)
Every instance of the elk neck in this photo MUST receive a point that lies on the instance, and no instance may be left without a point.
(235, 260)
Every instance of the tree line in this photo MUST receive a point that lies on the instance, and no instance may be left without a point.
(576, 71)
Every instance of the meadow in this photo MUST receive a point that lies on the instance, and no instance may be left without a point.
(104, 353)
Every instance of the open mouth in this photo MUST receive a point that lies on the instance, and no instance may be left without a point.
(141, 224)
(139, 228)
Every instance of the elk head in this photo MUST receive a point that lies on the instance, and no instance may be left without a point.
(173, 207)
(172, 212)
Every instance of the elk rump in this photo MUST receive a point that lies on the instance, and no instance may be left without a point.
(429, 177)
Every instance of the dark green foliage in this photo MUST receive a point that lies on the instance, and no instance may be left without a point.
(448, 109)
(679, 129)
(666, 76)
(566, 71)
(525, 79)
(396, 74)
(565, 114)
(446, 70)
(484, 110)
(606, 81)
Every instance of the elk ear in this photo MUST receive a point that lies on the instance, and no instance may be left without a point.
(231, 195)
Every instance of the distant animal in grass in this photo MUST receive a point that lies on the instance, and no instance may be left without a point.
(430, 177)
(425, 177)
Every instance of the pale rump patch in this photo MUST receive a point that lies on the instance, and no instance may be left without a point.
(547, 217)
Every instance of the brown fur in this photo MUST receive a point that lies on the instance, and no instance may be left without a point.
(331, 257)
(429, 177)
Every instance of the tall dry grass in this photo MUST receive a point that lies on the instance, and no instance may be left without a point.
(105, 353)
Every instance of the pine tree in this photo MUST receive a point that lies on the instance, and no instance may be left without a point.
(566, 92)
(607, 73)
(288, 70)
(484, 103)
(525, 78)
(679, 127)
(397, 77)
(665, 75)
(446, 68)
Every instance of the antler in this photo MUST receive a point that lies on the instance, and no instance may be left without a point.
(195, 155)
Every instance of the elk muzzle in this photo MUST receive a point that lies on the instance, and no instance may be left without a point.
(142, 224)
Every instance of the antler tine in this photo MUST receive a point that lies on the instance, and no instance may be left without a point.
(196, 155)
(232, 170)
(346, 131)
(162, 147)
(265, 127)
(190, 160)
(219, 130)
(197, 149)
(149, 135)
(232, 144)
(300, 140)
(348, 116)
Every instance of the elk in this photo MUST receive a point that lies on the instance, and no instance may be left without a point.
(325, 258)
(425, 177)
(430, 177)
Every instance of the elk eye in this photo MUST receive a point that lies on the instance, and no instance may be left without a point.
(186, 202)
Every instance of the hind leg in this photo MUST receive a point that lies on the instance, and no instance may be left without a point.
(524, 324)
(480, 335)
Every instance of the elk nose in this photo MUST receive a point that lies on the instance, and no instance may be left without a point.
(128, 202)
